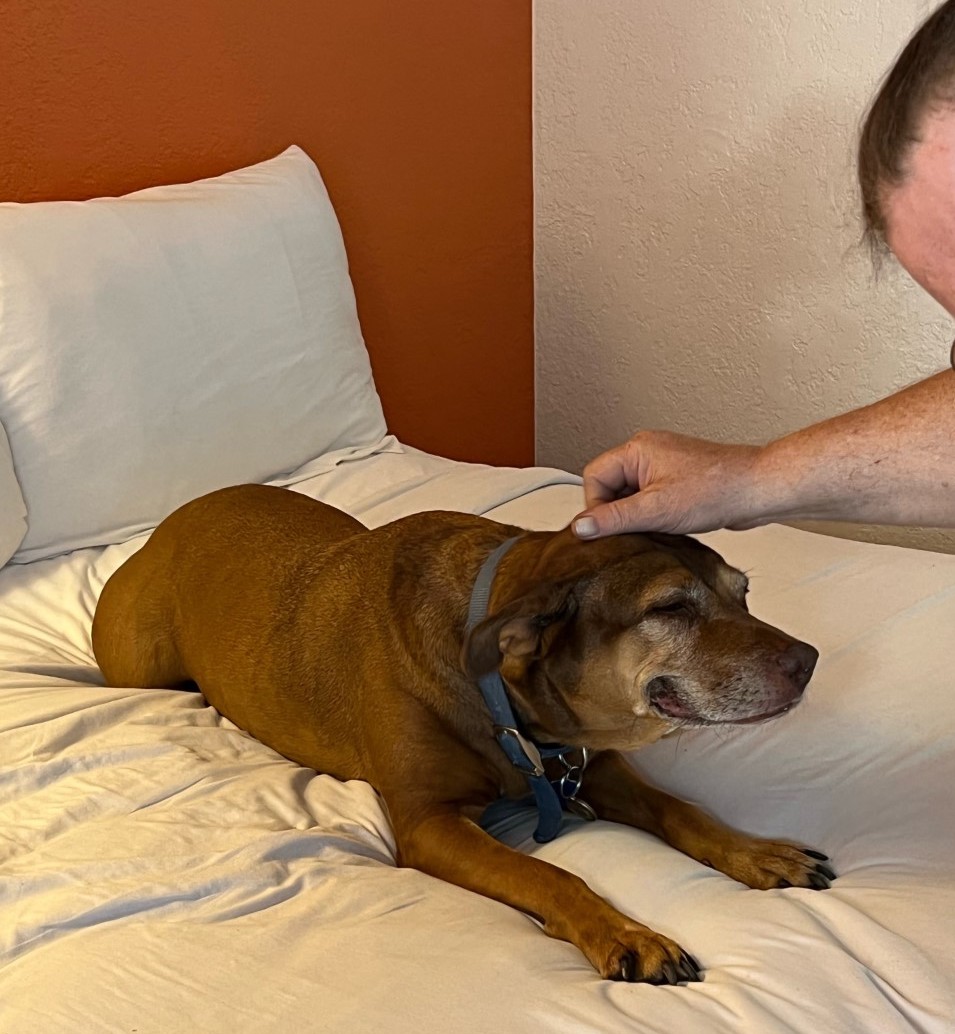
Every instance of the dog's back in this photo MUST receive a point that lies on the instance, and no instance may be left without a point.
(206, 598)
(276, 606)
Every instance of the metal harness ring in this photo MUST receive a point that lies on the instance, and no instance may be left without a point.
(573, 777)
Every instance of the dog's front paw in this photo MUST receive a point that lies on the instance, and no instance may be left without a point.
(636, 954)
(768, 864)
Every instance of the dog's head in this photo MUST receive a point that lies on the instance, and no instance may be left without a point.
(611, 643)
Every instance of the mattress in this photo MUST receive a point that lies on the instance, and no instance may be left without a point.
(161, 871)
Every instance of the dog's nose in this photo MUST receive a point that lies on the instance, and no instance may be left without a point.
(798, 662)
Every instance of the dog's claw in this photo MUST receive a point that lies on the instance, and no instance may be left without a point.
(688, 960)
(690, 967)
(818, 882)
(824, 870)
(818, 855)
(685, 971)
(784, 883)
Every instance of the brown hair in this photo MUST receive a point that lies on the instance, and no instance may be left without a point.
(923, 76)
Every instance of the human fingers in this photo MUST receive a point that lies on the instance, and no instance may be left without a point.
(641, 511)
(672, 483)
(610, 476)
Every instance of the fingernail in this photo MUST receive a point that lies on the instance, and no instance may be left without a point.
(585, 527)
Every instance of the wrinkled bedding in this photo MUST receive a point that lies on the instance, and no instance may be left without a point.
(161, 871)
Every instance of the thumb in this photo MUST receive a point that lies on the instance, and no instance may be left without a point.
(612, 518)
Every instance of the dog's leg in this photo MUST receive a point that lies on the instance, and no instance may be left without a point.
(446, 844)
(617, 793)
(434, 785)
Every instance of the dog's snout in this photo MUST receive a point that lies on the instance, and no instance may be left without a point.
(797, 663)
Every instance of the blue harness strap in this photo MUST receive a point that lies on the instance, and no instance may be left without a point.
(525, 755)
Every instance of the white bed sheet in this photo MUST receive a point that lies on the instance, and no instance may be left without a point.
(160, 871)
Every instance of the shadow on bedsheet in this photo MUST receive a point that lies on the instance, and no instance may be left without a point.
(87, 674)
(513, 822)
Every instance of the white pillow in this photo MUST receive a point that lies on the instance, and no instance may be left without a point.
(13, 511)
(172, 341)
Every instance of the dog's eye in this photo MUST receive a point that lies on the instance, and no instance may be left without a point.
(678, 607)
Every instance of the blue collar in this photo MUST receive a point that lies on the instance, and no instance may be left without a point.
(523, 753)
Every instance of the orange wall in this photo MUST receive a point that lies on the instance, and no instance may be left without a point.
(418, 113)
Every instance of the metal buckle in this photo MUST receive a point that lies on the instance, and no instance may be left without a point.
(531, 753)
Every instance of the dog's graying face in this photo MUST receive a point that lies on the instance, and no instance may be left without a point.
(634, 636)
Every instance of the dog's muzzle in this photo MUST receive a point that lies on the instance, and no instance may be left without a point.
(756, 693)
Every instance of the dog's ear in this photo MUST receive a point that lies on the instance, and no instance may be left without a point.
(522, 631)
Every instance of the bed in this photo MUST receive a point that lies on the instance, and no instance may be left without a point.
(162, 871)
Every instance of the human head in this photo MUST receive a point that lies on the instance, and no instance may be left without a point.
(920, 84)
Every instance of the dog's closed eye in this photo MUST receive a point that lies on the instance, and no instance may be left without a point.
(677, 607)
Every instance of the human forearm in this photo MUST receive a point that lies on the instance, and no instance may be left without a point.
(892, 462)
(889, 463)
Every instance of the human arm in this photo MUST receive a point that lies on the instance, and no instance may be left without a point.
(892, 462)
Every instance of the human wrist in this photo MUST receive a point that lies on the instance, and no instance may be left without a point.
(783, 486)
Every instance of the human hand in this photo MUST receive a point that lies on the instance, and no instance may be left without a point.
(660, 481)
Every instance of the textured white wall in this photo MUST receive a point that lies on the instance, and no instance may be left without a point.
(698, 265)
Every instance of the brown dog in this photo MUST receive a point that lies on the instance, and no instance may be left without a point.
(346, 650)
